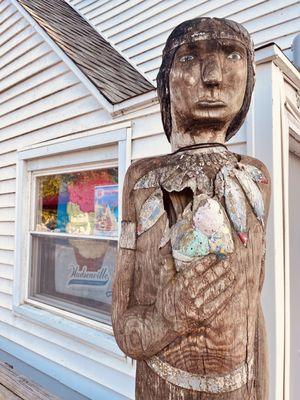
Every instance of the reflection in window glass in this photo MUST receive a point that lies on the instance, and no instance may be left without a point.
(83, 202)
(74, 274)
(68, 271)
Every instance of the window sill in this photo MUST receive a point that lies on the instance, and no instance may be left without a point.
(92, 333)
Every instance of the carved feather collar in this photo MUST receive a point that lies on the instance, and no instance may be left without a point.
(218, 208)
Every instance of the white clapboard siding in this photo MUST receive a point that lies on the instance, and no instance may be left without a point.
(7, 243)
(6, 257)
(23, 48)
(6, 301)
(19, 61)
(135, 15)
(65, 111)
(8, 22)
(7, 186)
(7, 228)
(257, 26)
(66, 352)
(38, 92)
(34, 82)
(58, 342)
(7, 12)
(41, 62)
(62, 98)
(7, 200)
(120, 22)
(152, 123)
(6, 271)
(4, 5)
(8, 159)
(7, 173)
(40, 99)
(139, 29)
(6, 286)
(7, 214)
(121, 6)
(85, 120)
(106, 7)
(15, 41)
(13, 30)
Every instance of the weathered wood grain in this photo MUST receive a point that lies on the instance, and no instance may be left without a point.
(21, 387)
(186, 295)
(151, 318)
(6, 394)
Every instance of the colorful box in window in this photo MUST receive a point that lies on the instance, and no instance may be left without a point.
(106, 210)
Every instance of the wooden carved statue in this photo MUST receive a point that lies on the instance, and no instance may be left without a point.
(186, 295)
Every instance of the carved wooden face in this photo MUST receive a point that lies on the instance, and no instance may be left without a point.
(207, 84)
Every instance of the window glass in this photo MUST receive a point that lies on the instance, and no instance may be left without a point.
(74, 274)
(74, 243)
(79, 203)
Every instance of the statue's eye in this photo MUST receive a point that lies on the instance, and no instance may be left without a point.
(186, 58)
(235, 56)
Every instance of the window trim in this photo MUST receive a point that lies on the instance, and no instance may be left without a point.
(34, 175)
(30, 163)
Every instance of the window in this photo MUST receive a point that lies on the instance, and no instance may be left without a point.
(68, 207)
(74, 241)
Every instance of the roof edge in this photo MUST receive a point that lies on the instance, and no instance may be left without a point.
(135, 103)
(139, 70)
(109, 107)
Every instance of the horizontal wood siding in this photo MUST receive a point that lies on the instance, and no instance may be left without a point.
(139, 28)
(40, 99)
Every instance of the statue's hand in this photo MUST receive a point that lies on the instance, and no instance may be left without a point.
(189, 298)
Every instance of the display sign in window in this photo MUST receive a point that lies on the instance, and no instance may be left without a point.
(74, 241)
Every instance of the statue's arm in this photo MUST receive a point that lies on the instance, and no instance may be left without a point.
(265, 189)
(140, 331)
(262, 367)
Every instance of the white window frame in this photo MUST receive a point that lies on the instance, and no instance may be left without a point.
(108, 148)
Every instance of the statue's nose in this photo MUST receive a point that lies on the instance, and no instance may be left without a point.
(211, 71)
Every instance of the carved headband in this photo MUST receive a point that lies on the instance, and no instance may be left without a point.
(196, 36)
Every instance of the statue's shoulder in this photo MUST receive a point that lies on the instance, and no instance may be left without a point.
(140, 168)
(254, 162)
(138, 174)
(261, 175)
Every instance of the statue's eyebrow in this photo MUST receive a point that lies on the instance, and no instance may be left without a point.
(188, 47)
(191, 46)
(232, 45)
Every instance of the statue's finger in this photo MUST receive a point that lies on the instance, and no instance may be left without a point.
(199, 266)
(211, 307)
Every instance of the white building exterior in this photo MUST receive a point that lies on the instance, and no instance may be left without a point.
(139, 28)
(53, 118)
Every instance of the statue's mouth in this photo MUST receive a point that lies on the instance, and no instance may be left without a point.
(210, 103)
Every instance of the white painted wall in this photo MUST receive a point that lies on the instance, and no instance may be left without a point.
(294, 201)
(42, 100)
(139, 28)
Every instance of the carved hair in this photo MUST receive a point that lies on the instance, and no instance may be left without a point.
(203, 29)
